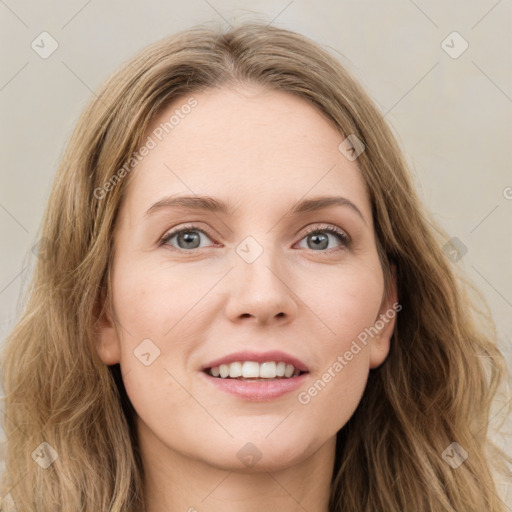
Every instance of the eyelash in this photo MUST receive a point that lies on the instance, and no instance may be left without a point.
(343, 238)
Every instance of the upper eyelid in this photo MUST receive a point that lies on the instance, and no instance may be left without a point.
(327, 227)
(186, 227)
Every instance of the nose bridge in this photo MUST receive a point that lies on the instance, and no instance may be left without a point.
(259, 286)
(260, 257)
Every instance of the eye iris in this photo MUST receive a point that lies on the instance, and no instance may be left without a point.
(322, 238)
(189, 237)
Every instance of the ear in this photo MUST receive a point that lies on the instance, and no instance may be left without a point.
(106, 338)
(385, 323)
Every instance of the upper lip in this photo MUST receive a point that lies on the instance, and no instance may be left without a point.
(258, 357)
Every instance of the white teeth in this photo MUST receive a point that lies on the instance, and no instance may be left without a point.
(254, 370)
(288, 372)
(268, 370)
(235, 370)
(250, 370)
(224, 370)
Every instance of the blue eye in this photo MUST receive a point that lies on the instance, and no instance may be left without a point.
(320, 240)
(189, 238)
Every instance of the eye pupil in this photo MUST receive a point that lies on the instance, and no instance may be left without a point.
(188, 237)
(322, 239)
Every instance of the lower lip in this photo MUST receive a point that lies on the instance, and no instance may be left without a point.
(257, 390)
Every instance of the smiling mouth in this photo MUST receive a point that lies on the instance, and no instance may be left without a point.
(251, 370)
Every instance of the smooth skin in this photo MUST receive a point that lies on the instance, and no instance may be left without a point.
(309, 295)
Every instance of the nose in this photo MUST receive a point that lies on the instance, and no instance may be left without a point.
(261, 291)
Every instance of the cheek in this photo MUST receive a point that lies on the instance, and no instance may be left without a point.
(151, 300)
(160, 320)
(334, 397)
(153, 391)
(350, 305)
(335, 390)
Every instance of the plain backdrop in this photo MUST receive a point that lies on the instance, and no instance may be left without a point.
(447, 97)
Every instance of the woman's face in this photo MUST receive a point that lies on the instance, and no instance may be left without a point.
(262, 282)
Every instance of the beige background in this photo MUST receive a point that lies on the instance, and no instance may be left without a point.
(451, 115)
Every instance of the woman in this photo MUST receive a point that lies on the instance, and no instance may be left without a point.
(240, 303)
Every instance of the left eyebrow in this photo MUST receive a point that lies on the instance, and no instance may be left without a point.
(321, 203)
(216, 205)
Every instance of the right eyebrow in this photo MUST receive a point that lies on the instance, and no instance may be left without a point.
(191, 202)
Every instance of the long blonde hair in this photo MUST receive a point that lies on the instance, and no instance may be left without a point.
(435, 387)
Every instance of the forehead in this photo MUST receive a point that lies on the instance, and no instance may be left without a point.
(247, 145)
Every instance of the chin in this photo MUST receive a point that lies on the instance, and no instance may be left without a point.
(260, 454)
